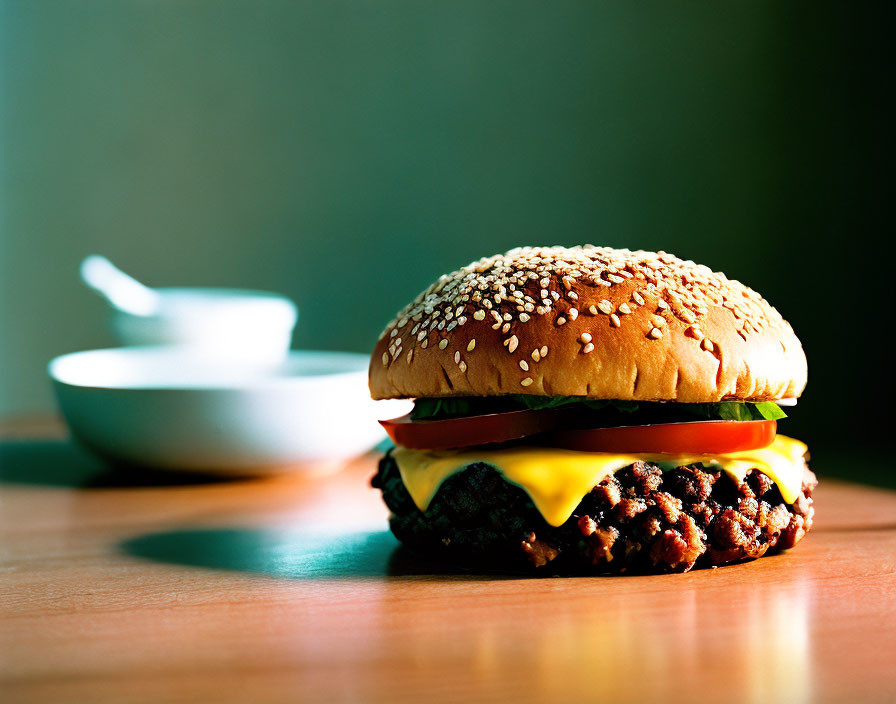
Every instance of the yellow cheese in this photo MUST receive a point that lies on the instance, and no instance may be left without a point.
(557, 480)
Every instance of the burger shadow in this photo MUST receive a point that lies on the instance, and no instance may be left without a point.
(296, 555)
(300, 555)
(64, 464)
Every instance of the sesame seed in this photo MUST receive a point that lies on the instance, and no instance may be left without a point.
(707, 345)
(385, 359)
(526, 382)
(516, 286)
(524, 365)
(443, 343)
(544, 351)
(588, 348)
(471, 344)
(658, 320)
(655, 333)
(512, 344)
(463, 367)
(410, 355)
(536, 355)
(585, 337)
(457, 357)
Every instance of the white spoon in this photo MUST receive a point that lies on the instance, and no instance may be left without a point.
(122, 291)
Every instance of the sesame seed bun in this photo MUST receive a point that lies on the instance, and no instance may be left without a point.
(589, 321)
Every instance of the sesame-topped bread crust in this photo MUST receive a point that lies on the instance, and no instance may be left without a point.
(589, 321)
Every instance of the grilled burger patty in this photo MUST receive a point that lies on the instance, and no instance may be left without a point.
(641, 519)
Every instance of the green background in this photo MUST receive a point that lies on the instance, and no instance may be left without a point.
(347, 153)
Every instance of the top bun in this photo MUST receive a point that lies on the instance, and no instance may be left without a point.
(588, 321)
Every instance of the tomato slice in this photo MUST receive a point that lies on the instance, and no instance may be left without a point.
(447, 433)
(697, 438)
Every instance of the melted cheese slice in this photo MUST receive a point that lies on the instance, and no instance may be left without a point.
(557, 480)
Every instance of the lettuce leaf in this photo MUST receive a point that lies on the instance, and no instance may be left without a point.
(541, 402)
(434, 408)
(428, 408)
(739, 410)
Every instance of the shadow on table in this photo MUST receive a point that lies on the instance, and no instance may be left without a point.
(290, 554)
(62, 463)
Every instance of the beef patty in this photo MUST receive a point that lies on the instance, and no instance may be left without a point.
(641, 519)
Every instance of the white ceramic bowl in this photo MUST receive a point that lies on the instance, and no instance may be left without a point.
(162, 408)
(250, 327)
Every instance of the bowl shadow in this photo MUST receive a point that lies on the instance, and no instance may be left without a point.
(62, 463)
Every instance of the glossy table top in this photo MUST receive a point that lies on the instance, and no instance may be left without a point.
(128, 587)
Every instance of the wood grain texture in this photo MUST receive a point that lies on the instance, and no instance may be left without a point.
(124, 587)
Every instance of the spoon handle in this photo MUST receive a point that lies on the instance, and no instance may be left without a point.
(122, 291)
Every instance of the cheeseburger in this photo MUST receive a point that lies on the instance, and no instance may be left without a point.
(590, 409)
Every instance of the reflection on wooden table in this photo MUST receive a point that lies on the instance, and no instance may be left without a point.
(123, 586)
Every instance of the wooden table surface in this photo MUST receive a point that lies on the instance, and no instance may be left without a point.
(119, 587)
